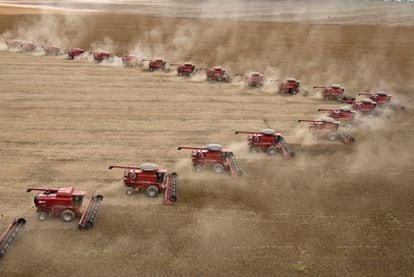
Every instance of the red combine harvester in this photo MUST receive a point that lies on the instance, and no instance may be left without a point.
(28, 47)
(8, 236)
(365, 106)
(130, 60)
(215, 157)
(343, 114)
(185, 69)
(75, 52)
(157, 64)
(333, 92)
(328, 128)
(100, 56)
(13, 43)
(267, 140)
(383, 99)
(218, 74)
(51, 50)
(66, 203)
(290, 85)
(152, 179)
(253, 79)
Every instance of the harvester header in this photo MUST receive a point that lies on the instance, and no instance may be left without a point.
(9, 235)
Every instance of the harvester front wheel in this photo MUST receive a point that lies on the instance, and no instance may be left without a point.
(152, 191)
(198, 168)
(129, 191)
(42, 216)
(332, 137)
(68, 215)
(272, 150)
(218, 168)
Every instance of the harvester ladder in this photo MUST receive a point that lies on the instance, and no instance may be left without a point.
(344, 137)
(287, 151)
(234, 166)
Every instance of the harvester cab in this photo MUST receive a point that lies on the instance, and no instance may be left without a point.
(218, 74)
(214, 157)
(74, 52)
(290, 86)
(67, 204)
(150, 178)
(9, 234)
(269, 141)
(328, 128)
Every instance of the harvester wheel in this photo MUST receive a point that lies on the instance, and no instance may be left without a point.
(271, 150)
(253, 150)
(129, 191)
(68, 215)
(339, 98)
(152, 191)
(198, 168)
(218, 168)
(42, 216)
(332, 137)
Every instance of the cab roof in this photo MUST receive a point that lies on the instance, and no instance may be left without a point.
(214, 147)
(149, 167)
(267, 132)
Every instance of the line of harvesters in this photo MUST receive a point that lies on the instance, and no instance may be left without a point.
(67, 202)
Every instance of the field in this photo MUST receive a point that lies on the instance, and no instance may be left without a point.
(334, 210)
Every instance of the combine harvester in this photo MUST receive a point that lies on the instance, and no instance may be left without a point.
(24, 46)
(383, 99)
(157, 64)
(253, 79)
(131, 61)
(267, 140)
(28, 47)
(13, 44)
(328, 128)
(364, 106)
(51, 50)
(334, 92)
(214, 157)
(100, 56)
(289, 86)
(185, 69)
(150, 178)
(67, 204)
(345, 115)
(74, 52)
(9, 235)
(217, 74)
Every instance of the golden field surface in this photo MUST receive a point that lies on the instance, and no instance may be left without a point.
(333, 210)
